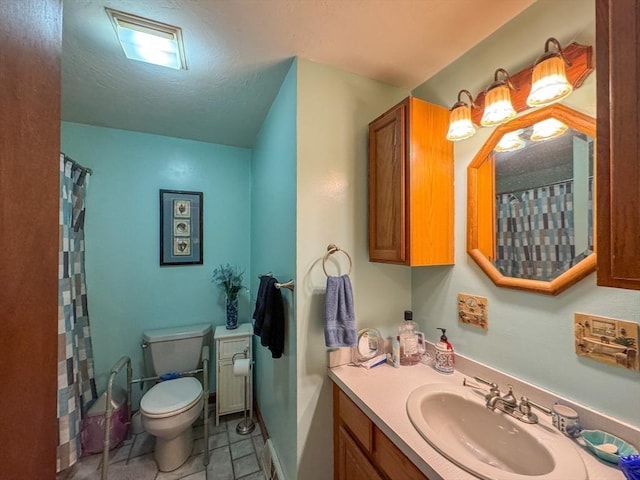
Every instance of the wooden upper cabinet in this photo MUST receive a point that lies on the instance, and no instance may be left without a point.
(618, 144)
(411, 186)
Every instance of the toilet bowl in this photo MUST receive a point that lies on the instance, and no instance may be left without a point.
(168, 411)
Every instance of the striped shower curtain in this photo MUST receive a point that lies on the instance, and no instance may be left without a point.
(76, 383)
(535, 236)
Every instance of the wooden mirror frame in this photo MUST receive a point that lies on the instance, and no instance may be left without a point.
(480, 208)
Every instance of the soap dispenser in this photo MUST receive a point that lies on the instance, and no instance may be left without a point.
(444, 354)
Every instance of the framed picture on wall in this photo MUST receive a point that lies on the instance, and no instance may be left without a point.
(180, 227)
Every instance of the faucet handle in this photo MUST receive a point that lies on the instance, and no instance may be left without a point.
(527, 415)
(494, 386)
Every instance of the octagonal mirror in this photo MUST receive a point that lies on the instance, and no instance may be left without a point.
(530, 204)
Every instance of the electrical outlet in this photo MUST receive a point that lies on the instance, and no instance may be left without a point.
(473, 310)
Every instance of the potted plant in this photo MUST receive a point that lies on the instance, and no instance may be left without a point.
(229, 279)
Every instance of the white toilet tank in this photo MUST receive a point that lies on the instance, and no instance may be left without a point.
(175, 349)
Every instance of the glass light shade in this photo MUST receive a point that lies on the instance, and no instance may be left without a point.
(460, 124)
(498, 108)
(510, 142)
(148, 41)
(157, 47)
(549, 82)
(546, 129)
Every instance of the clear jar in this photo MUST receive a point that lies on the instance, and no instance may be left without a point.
(409, 351)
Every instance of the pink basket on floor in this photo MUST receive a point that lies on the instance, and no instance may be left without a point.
(93, 424)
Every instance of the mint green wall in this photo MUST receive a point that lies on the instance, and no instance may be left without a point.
(530, 335)
(334, 110)
(273, 249)
(127, 289)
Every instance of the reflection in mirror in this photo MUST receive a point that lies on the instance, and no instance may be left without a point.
(544, 215)
(370, 344)
(531, 191)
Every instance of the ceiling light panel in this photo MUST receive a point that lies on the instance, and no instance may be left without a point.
(149, 41)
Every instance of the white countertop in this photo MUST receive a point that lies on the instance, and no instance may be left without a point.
(381, 393)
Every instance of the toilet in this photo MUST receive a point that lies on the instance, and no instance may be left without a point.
(169, 409)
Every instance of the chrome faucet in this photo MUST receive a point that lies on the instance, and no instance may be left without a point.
(509, 404)
(494, 400)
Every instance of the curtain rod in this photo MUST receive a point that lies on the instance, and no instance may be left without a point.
(69, 159)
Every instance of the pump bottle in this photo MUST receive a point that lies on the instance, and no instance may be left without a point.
(444, 354)
(409, 353)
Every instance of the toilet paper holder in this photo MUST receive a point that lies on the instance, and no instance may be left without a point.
(246, 425)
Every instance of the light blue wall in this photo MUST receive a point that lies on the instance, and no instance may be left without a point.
(273, 249)
(127, 289)
(530, 335)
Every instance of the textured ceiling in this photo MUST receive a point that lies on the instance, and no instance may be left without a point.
(238, 52)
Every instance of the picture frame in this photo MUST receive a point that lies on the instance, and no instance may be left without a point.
(180, 227)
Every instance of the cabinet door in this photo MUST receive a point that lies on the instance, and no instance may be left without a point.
(230, 394)
(392, 461)
(618, 144)
(352, 463)
(387, 208)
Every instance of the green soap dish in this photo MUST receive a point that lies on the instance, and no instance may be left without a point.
(599, 443)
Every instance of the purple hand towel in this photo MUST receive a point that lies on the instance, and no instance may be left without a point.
(339, 318)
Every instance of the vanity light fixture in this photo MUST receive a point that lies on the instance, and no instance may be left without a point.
(511, 142)
(460, 124)
(149, 41)
(549, 82)
(497, 105)
(547, 129)
(536, 85)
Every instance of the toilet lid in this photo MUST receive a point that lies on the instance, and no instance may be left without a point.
(171, 396)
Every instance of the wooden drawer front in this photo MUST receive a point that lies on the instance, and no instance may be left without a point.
(392, 461)
(352, 463)
(227, 348)
(356, 421)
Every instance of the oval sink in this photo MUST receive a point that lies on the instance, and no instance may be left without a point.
(490, 444)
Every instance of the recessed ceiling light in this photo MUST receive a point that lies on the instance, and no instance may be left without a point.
(149, 41)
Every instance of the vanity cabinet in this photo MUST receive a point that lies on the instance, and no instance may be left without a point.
(362, 450)
(411, 186)
(351, 462)
(618, 143)
(230, 388)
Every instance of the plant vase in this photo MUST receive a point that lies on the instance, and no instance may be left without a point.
(232, 313)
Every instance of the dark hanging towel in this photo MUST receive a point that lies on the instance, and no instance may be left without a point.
(269, 316)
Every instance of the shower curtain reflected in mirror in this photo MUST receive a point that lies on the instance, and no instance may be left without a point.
(76, 382)
(535, 231)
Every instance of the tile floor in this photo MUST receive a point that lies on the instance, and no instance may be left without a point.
(231, 457)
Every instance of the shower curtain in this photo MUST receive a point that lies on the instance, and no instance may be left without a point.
(76, 383)
(535, 231)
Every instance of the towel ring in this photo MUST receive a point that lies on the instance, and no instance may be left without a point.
(333, 249)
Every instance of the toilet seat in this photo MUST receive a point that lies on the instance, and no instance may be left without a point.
(171, 397)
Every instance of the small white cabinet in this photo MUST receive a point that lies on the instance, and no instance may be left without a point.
(229, 388)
